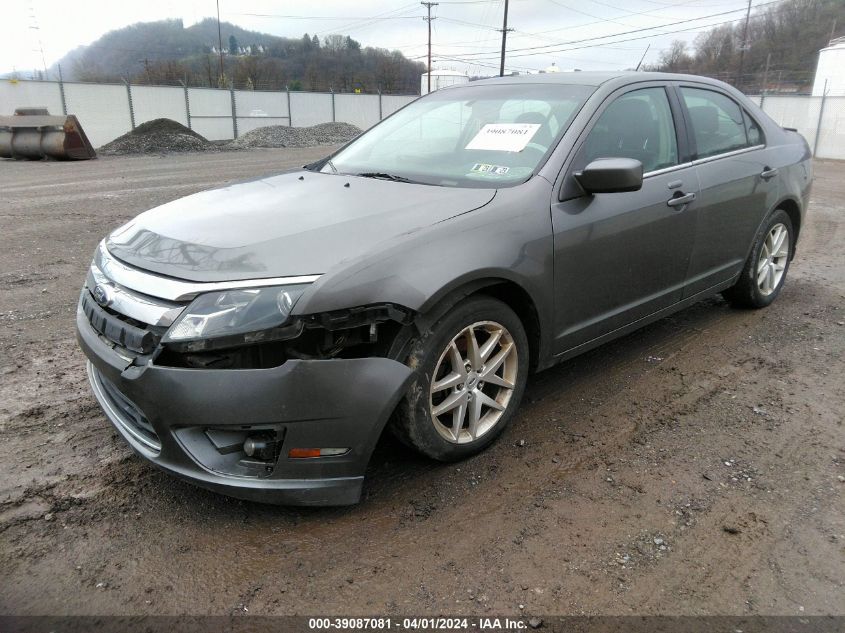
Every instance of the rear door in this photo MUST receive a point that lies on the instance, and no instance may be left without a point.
(737, 179)
(622, 256)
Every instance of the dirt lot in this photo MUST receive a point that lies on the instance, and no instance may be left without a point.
(694, 467)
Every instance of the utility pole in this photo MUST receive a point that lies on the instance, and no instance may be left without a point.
(744, 45)
(766, 74)
(428, 19)
(505, 30)
(220, 45)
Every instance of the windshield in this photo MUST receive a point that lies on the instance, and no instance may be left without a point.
(477, 136)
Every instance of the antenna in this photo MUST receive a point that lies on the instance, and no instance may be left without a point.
(643, 57)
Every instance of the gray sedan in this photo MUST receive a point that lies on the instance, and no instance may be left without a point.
(258, 339)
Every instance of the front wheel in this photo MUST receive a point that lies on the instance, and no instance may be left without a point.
(471, 369)
(764, 273)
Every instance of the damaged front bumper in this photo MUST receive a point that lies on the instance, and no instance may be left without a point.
(193, 422)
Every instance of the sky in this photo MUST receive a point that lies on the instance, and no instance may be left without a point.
(583, 34)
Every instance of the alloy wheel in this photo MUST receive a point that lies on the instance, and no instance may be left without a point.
(473, 382)
(773, 259)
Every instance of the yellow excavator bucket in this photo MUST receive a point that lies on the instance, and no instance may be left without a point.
(32, 134)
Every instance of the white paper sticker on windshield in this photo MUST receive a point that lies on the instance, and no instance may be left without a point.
(504, 137)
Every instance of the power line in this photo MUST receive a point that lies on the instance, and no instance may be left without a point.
(601, 21)
(357, 24)
(323, 17)
(603, 37)
(632, 39)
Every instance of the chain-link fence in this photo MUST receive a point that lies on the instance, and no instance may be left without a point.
(107, 111)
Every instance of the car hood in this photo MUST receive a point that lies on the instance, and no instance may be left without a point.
(299, 223)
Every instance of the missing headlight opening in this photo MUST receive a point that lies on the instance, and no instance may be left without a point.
(354, 333)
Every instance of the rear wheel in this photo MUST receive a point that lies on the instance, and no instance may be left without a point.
(471, 370)
(764, 273)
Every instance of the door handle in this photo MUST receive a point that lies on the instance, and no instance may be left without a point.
(768, 173)
(681, 200)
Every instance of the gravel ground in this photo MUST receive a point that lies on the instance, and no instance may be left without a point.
(694, 467)
(284, 136)
(159, 136)
(165, 136)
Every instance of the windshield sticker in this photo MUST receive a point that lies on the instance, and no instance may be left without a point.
(496, 170)
(504, 137)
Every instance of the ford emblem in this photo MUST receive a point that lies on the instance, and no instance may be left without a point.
(102, 295)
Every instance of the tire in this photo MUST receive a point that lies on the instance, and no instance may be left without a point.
(471, 390)
(763, 275)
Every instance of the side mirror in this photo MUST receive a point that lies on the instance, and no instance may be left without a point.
(611, 175)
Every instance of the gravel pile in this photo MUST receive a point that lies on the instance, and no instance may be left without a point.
(283, 136)
(156, 137)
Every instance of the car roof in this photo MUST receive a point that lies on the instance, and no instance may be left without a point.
(592, 78)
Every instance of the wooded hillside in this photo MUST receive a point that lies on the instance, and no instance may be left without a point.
(789, 34)
(165, 52)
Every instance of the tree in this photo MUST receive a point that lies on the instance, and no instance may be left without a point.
(334, 43)
(784, 38)
(173, 52)
(675, 59)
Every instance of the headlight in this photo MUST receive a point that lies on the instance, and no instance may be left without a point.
(248, 312)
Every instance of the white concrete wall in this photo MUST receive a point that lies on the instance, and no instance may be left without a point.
(30, 94)
(807, 114)
(310, 108)
(358, 110)
(157, 102)
(260, 109)
(103, 109)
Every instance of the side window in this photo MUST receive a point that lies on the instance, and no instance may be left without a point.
(718, 123)
(636, 125)
(755, 135)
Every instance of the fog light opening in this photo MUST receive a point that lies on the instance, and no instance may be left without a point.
(303, 453)
(261, 446)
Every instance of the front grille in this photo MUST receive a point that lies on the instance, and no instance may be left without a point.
(118, 328)
(121, 410)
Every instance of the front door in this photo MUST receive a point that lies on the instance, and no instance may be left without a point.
(620, 257)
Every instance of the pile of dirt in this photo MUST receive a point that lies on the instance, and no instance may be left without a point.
(157, 137)
(284, 136)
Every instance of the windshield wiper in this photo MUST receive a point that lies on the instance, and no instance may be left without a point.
(385, 176)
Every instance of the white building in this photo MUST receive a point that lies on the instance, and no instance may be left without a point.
(441, 79)
(831, 70)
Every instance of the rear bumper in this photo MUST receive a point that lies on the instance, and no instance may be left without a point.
(168, 415)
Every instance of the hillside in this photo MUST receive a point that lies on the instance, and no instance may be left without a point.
(789, 34)
(166, 52)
